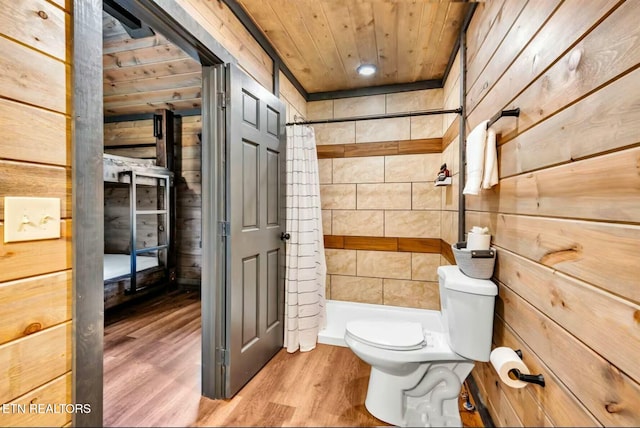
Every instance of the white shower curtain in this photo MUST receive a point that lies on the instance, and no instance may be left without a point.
(305, 263)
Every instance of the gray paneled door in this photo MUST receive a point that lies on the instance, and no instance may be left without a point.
(255, 212)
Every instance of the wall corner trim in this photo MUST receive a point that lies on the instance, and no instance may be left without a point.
(88, 228)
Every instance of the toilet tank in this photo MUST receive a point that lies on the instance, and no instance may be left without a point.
(467, 307)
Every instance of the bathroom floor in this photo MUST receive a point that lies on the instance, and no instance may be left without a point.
(152, 377)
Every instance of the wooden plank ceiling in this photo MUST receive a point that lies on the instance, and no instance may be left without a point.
(324, 41)
(321, 41)
(146, 74)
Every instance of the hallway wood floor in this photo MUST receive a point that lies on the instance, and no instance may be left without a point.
(152, 377)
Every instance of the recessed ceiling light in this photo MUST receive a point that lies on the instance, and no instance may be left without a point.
(366, 69)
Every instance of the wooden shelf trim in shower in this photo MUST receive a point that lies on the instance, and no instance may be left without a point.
(420, 245)
(452, 132)
(374, 243)
(370, 243)
(447, 252)
(383, 148)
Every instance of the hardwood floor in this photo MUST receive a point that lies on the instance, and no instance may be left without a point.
(152, 362)
(152, 377)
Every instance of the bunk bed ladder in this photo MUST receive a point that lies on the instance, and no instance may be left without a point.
(135, 212)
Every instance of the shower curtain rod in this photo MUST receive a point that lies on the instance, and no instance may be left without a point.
(379, 116)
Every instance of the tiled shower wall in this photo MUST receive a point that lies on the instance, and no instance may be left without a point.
(382, 196)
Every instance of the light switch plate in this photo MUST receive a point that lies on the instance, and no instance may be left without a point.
(30, 219)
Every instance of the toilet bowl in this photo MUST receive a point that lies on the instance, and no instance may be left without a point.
(417, 368)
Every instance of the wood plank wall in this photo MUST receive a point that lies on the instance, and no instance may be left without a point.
(188, 186)
(132, 139)
(295, 103)
(35, 160)
(117, 213)
(222, 24)
(566, 213)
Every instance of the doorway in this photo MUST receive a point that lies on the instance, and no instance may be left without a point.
(152, 225)
(217, 241)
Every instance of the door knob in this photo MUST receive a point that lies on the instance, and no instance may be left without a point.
(285, 236)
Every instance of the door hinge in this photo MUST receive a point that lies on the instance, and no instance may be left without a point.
(222, 100)
(223, 356)
(224, 228)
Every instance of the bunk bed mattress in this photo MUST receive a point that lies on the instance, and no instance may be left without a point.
(116, 265)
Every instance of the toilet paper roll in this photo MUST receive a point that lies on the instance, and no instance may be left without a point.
(478, 241)
(504, 359)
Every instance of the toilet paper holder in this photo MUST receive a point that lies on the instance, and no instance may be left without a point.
(517, 374)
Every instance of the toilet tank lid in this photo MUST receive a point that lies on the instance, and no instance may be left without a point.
(454, 279)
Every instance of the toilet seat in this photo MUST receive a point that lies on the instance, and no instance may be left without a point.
(393, 335)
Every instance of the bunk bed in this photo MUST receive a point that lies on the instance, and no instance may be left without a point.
(145, 255)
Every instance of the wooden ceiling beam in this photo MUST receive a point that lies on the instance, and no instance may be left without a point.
(376, 90)
(147, 116)
(121, 14)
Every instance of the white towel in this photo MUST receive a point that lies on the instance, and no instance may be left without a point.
(490, 176)
(482, 159)
(476, 142)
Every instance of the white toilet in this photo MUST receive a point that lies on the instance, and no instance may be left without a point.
(417, 368)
